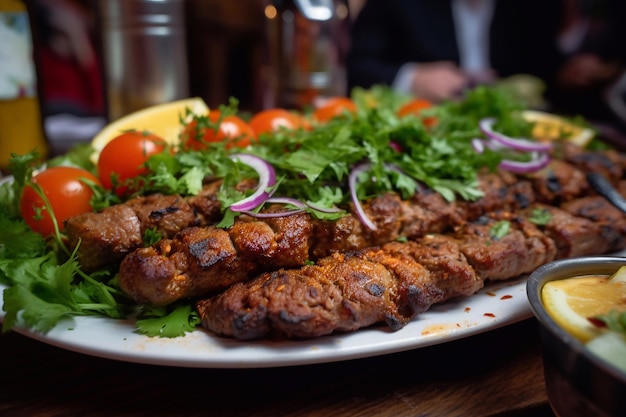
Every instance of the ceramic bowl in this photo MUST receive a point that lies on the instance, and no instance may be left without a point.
(578, 382)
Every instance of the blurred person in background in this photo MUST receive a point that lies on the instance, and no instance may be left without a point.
(70, 65)
(592, 43)
(435, 49)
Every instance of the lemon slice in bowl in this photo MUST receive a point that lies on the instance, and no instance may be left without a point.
(161, 119)
(550, 127)
(570, 302)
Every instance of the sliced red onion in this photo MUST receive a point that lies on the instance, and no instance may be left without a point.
(286, 200)
(419, 185)
(486, 126)
(478, 145)
(323, 209)
(267, 178)
(271, 215)
(352, 183)
(395, 146)
(538, 160)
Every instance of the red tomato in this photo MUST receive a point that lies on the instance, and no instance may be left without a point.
(334, 107)
(272, 120)
(415, 107)
(232, 129)
(123, 158)
(66, 193)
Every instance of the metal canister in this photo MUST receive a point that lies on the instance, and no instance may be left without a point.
(144, 51)
(308, 41)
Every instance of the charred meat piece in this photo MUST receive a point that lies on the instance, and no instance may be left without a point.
(502, 190)
(166, 214)
(105, 238)
(504, 246)
(201, 260)
(426, 212)
(610, 219)
(451, 274)
(558, 182)
(343, 292)
(573, 235)
(609, 163)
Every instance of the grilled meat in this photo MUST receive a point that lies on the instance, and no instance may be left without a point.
(391, 284)
(609, 163)
(573, 235)
(610, 220)
(178, 268)
(343, 292)
(503, 245)
(397, 281)
(179, 272)
(200, 260)
(558, 182)
(108, 236)
(105, 238)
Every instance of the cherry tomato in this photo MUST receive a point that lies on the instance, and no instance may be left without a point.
(66, 192)
(415, 107)
(232, 129)
(334, 107)
(123, 158)
(272, 120)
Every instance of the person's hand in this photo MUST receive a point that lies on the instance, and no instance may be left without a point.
(438, 81)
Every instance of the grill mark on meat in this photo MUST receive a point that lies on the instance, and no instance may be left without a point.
(160, 213)
(559, 182)
(553, 184)
(208, 252)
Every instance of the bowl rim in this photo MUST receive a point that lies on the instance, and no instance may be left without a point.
(567, 268)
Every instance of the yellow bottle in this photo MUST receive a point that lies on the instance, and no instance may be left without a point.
(21, 127)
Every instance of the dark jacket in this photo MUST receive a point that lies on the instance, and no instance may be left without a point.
(388, 33)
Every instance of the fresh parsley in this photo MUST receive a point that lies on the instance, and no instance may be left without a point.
(499, 230)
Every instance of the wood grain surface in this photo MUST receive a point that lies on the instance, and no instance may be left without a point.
(499, 373)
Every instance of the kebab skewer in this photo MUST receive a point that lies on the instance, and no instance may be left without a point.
(395, 282)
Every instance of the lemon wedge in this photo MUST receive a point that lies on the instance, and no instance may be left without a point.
(161, 119)
(551, 127)
(571, 301)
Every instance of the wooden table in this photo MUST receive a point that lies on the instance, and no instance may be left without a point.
(498, 373)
